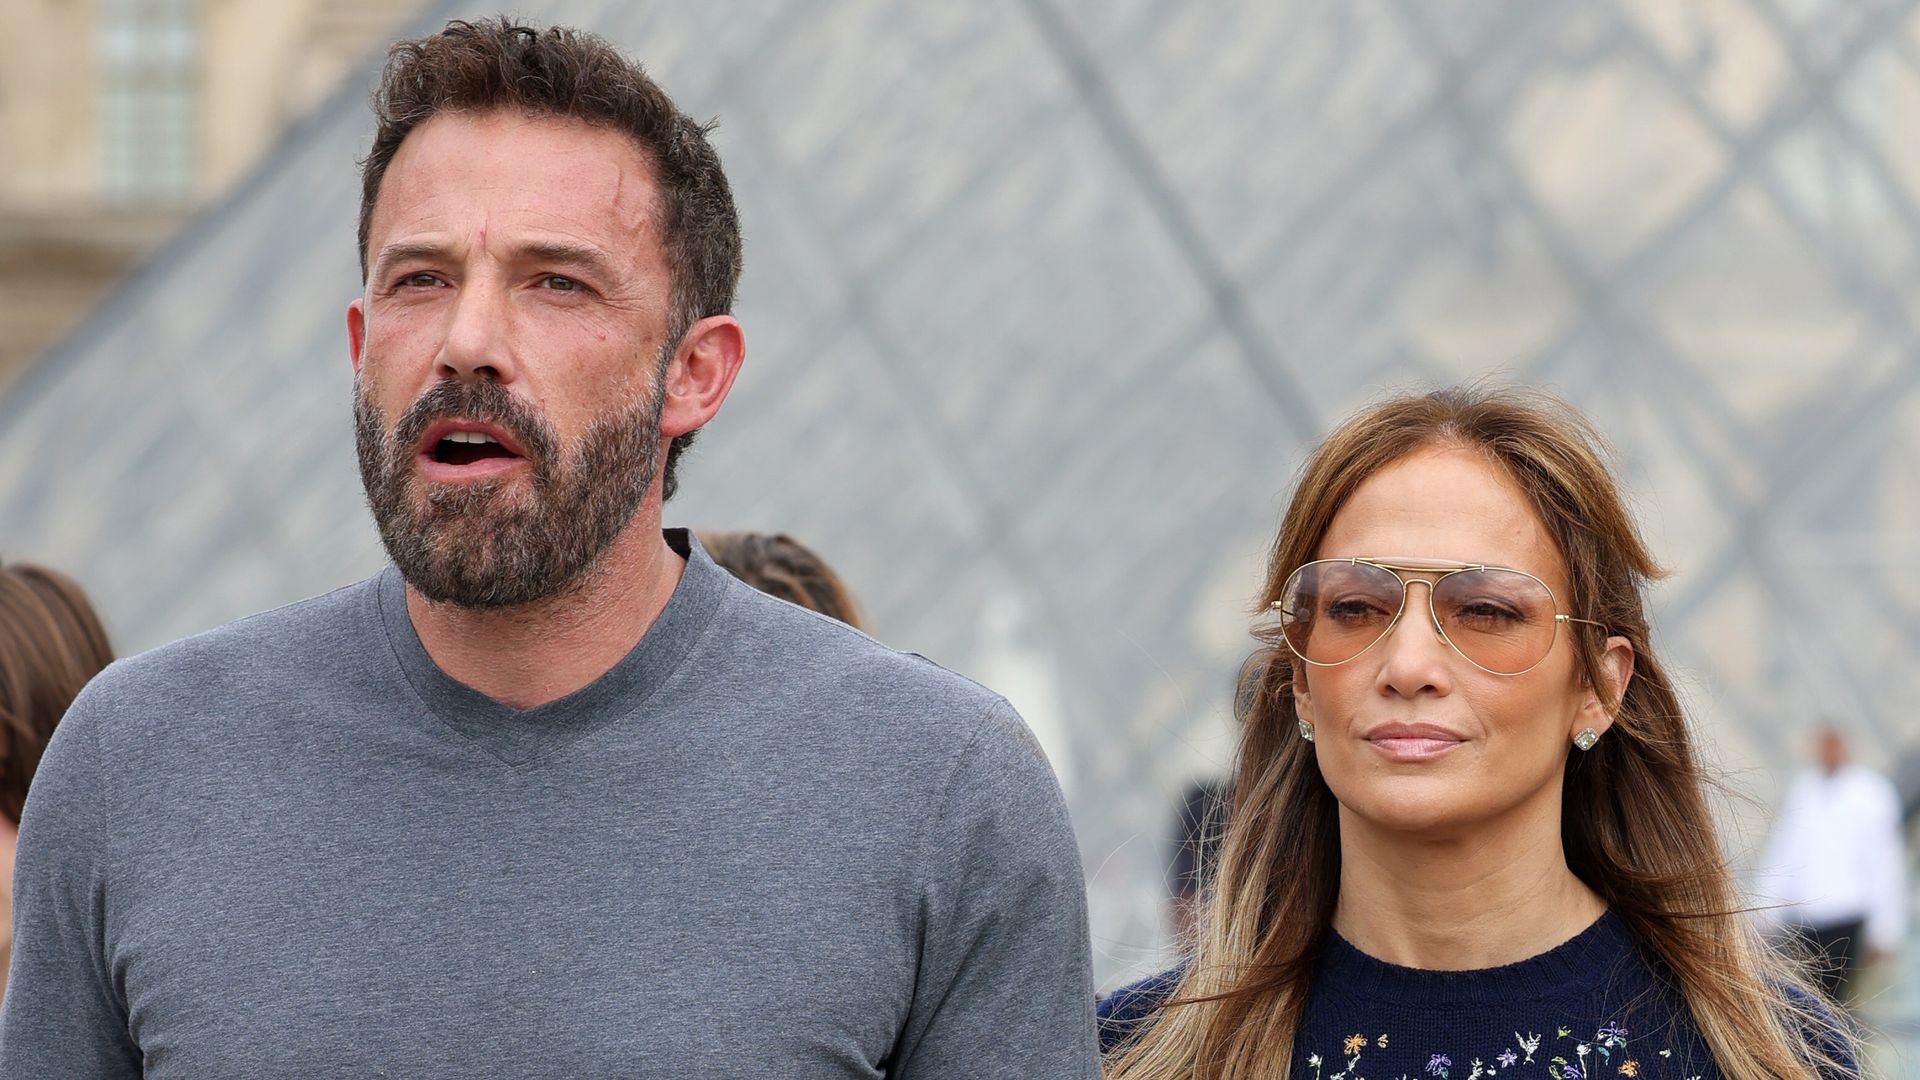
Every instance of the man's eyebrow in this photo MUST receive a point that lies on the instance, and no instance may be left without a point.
(584, 256)
(394, 253)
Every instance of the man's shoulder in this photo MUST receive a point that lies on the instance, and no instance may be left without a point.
(853, 685)
(161, 711)
(299, 637)
(811, 647)
(304, 626)
(1874, 789)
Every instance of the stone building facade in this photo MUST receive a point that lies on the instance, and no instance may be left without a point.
(121, 117)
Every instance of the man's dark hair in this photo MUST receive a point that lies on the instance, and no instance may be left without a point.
(498, 64)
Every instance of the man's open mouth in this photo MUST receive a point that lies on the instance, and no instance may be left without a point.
(460, 444)
(467, 447)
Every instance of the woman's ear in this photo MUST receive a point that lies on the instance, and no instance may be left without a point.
(1302, 700)
(1602, 703)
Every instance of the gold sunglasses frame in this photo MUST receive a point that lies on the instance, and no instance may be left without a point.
(1406, 586)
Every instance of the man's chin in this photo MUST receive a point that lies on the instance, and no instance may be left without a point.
(477, 563)
(461, 580)
(473, 500)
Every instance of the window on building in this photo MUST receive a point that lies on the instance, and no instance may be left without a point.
(149, 99)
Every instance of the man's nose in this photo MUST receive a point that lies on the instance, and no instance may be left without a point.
(478, 342)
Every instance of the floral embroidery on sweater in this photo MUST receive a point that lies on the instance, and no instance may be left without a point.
(1604, 1055)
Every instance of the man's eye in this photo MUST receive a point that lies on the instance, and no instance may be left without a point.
(560, 283)
(419, 280)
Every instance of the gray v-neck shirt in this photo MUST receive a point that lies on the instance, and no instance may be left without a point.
(762, 845)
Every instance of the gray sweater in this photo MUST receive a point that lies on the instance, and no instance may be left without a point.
(763, 845)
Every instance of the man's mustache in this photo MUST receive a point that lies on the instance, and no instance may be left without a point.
(484, 401)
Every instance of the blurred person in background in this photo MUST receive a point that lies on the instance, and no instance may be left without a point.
(1199, 826)
(553, 796)
(51, 643)
(1199, 829)
(1468, 835)
(781, 566)
(1833, 872)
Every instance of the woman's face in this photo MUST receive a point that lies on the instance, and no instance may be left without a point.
(1410, 736)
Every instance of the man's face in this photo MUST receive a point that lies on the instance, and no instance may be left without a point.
(1831, 750)
(508, 353)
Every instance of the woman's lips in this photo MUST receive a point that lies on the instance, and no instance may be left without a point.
(1412, 742)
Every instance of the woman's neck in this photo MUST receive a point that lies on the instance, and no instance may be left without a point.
(1494, 896)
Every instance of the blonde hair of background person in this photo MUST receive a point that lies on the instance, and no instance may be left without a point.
(1635, 824)
(51, 643)
(781, 566)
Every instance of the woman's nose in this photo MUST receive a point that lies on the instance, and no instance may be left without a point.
(1417, 652)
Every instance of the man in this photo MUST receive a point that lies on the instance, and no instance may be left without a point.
(1837, 863)
(554, 796)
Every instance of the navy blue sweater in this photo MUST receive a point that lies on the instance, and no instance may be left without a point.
(1595, 1007)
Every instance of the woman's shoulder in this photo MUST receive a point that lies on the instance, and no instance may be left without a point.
(1126, 1011)
(1828, 1031)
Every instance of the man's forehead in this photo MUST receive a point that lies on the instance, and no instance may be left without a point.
(517, 169)
(508, 129)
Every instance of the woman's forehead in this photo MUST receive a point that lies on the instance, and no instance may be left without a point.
(1446, 505)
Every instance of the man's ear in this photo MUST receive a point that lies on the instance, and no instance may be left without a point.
(700, 374)
(357, 331)
(1602, 703)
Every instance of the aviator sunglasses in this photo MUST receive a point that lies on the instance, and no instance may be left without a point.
(1500, 620)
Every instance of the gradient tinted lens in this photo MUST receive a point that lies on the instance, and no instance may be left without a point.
(1333, 611)
(1502, 620)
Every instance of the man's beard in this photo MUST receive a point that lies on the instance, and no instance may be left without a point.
(481, 544)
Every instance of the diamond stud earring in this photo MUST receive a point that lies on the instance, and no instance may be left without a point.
(1306, 731)
(1586, 739)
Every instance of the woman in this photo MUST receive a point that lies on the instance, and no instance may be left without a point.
(51, 643)
(1469, 837)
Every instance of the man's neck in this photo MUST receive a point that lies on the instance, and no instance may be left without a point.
(1493, 896)
(542, 652)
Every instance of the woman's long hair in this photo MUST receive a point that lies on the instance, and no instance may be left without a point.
(51, 643)
(1634, 820)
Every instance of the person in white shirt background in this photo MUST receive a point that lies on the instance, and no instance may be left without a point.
(1834, 868)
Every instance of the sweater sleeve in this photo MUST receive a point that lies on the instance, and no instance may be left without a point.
(1127, 1012)
(63, 1015)
(1005, 987)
